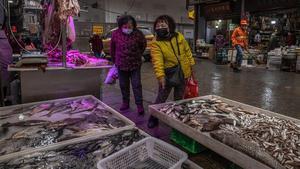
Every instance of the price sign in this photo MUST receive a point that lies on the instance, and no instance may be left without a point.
(98, 29)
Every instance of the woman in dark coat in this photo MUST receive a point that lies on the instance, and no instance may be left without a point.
(127, 47)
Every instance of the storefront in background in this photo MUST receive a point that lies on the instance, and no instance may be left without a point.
(211, 15)
(274, 23)
(217, 18)
(216, 27)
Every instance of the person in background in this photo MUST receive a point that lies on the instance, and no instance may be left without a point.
(167, 48)
(5, 55)
(37, 42)
(274, 41)
(29, 45)
(257, 38)
(96, 45)
(16, 45)
(240, 42)
(127, 47)
(220, 41)
(213, 40)
(291, 39)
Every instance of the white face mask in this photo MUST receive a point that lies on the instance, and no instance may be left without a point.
(127, 31)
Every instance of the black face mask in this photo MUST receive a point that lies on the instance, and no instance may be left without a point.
(162, 33)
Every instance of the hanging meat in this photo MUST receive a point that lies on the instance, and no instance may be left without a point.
(68, 8)
(50, 24)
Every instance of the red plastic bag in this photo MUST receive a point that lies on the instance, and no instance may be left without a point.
(191, 88)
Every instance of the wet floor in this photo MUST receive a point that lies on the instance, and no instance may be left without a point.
(271, 90)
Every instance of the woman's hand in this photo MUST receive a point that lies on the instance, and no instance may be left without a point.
(192, 69)
(162, 82)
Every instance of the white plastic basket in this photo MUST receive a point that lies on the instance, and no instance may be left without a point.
(149, 153)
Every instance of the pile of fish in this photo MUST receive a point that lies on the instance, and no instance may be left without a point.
(38, 126)
(271, 140)
(84, 155)
(279, 138)
(48, 109)
(203, 115)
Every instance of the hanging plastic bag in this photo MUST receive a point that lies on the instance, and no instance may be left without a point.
(112, 75)
(191, 88)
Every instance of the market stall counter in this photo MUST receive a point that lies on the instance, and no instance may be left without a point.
(248, 136)
(59, 82)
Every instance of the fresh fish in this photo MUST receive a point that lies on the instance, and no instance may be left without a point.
(40, 108)
(12, 113)
(87, 108)
(3, 131)
(277, 139)
(26, 123)
(91, 118)
(272, 134)
(57, 110)
(84, 155)
(247, 147)
(205, 115)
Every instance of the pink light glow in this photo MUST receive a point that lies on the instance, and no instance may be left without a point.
(71, 29)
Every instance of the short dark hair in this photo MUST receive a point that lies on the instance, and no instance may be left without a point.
(27, 41)
(122, 20)
(170, 21)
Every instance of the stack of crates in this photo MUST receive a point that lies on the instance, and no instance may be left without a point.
(289, 61)
(221, 56)
(186, 142)
(274, 59)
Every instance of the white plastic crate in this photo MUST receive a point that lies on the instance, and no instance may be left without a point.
(149, 153)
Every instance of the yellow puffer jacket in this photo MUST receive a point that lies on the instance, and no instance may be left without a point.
(163, 56)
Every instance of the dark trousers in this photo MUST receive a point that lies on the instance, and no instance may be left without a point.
(97, 54)
(163, 94)
(5, 60)
(135, 77)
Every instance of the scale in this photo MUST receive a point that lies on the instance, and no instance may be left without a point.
(32, 59)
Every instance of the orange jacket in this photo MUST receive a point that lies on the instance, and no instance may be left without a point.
(240, 37)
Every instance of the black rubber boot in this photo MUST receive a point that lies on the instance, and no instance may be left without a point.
(140, 110)
(125, 106)
(153, 122)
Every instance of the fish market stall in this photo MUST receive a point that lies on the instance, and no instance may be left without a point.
(30, 126)
(68, 72)
(60, 82)
(83, 153)
(248, 136)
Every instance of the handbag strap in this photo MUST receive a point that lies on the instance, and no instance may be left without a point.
(177, 49)
(177, 57)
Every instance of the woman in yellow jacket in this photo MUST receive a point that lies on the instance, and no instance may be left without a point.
(167, 49)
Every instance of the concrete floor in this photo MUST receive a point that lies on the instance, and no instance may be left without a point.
(271, 90)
